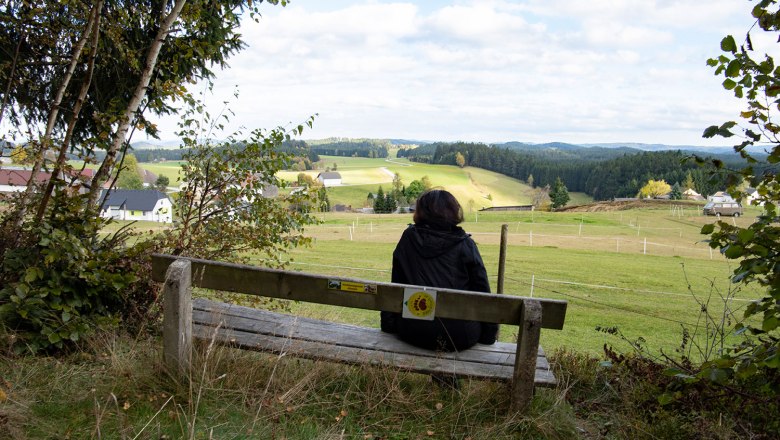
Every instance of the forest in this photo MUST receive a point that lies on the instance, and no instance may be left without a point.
(603, 173)
(372, 148)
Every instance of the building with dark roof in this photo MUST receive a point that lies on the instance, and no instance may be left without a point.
(136, 204)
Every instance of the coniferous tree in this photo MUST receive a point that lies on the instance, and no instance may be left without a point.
(559, 194)
(380, 201)
(390, 203)
(676, 193)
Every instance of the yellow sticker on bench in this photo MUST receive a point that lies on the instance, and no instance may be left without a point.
(419, 304)
(349, 286)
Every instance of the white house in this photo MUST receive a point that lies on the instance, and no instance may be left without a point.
(751, 195)
(137, 204)
(329, 178)
(721, 197)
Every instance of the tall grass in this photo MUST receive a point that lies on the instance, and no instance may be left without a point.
(116, 388)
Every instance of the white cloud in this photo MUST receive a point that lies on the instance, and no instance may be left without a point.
(538, 70)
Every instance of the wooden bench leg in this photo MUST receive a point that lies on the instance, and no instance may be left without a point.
(525, 357)
(177, 318)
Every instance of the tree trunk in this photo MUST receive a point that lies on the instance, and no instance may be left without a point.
(132, 107)
(53, 113)
(59, 165)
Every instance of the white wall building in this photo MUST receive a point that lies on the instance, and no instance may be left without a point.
(137, 204)
(329, 178)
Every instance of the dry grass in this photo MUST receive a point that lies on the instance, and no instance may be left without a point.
(116, 388)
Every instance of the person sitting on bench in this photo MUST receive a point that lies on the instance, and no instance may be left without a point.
(436, 252)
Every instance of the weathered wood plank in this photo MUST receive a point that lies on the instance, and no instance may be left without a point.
(177, 321)
(276, 324)
(351, 355)
(504, 309)
(527, 347)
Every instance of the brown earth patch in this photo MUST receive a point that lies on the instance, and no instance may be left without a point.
(623, 205)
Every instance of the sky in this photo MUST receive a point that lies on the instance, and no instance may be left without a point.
(577, 71)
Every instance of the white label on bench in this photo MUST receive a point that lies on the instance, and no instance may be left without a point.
(419, 303)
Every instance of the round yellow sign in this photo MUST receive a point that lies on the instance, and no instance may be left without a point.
(421, 304)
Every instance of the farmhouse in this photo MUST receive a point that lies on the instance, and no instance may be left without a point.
(751, 195)
(14, 180)
(135, 204)
(691, 194)
(329, 178)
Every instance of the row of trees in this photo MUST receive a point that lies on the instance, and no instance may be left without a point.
(373, 148)
(621, 176)
(384, 203)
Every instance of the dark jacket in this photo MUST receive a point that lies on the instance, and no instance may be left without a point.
(449, 259)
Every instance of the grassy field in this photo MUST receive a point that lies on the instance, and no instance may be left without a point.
(474, 188)
(170, 169)
(648, 281)
(626, 269)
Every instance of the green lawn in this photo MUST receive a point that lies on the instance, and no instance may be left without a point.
(640, 288)
(170, 169)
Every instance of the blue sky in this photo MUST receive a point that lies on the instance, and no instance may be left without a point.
(491, 71)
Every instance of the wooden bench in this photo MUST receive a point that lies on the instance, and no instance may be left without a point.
(523, 364)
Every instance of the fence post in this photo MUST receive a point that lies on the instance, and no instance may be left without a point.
(644, 248)
(177, 319)
(530, 238)
(502, 258)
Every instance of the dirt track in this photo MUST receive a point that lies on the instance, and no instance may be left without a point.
(623, 205)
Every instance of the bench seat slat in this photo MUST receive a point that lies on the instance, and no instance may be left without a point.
(261, 330)
(278, 324)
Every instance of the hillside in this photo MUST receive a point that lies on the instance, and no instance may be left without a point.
(475, 188)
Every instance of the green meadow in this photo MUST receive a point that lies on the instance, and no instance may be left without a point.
(646, 281)
(170, 169)
(645, 271)
(475, 188)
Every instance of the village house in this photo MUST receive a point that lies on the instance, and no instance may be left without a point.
(13, 180)
(691, 194)
(751, 195)
(329, 178)
(136, 204)
(721, 197)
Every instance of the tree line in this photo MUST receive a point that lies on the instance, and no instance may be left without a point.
(345, 147)
(598, 172)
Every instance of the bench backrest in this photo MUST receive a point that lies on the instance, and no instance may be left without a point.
(355, 293)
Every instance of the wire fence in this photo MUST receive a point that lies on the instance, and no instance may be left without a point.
(665, 242)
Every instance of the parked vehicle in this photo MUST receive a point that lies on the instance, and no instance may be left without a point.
(723, 208)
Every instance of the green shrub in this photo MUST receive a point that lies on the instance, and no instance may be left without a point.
(62, 280)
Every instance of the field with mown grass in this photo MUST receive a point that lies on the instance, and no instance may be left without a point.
(115, 386)
(645, 271)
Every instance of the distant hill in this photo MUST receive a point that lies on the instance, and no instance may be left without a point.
(155, 145)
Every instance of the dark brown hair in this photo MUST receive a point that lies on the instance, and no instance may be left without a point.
(438, 208)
